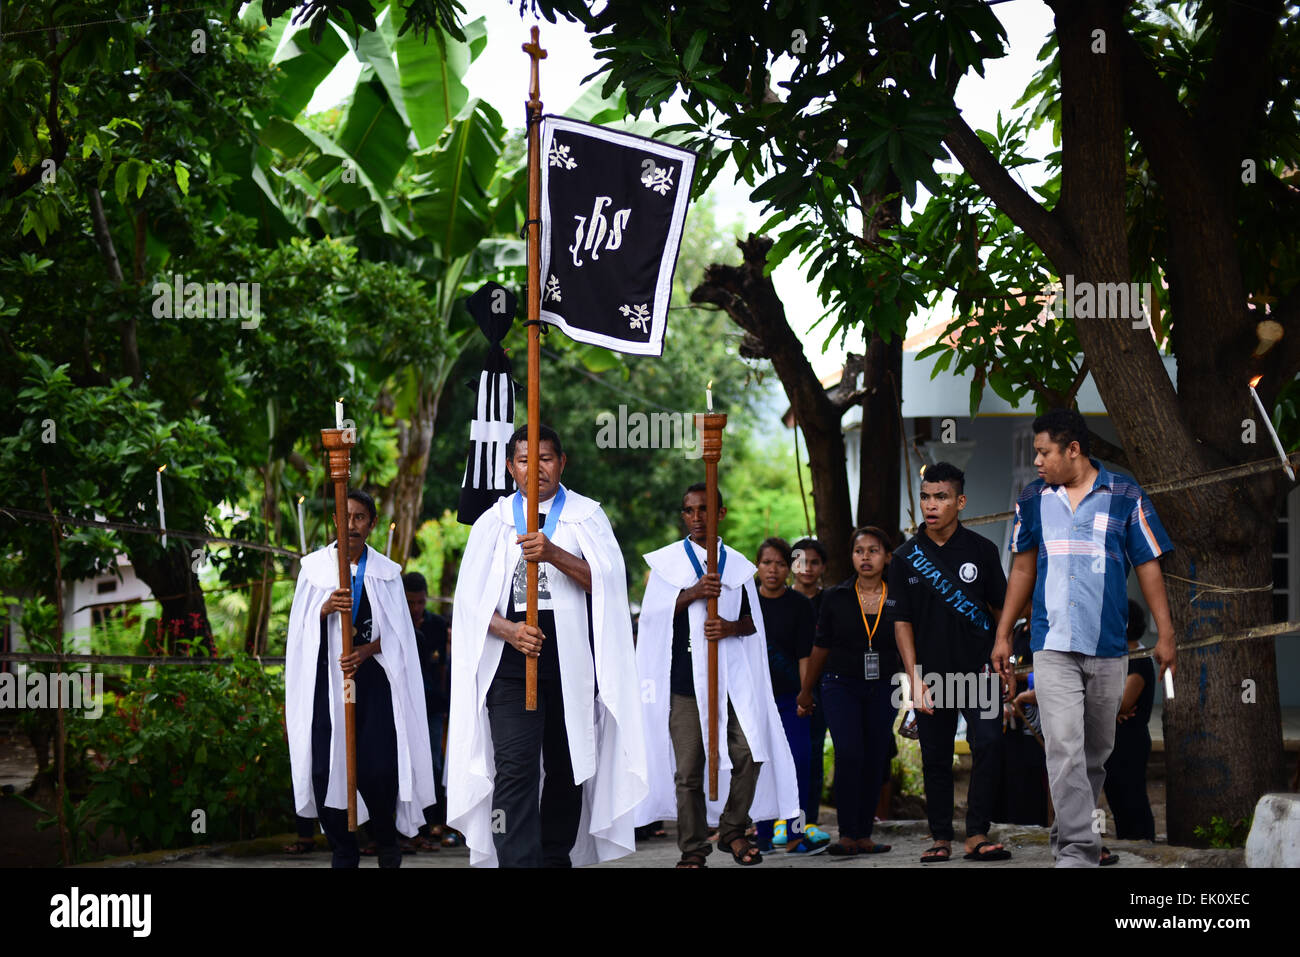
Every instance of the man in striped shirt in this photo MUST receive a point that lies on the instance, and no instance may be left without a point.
(1077, 531)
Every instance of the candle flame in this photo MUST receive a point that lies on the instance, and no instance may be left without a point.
(1255, 381)
(161, 467)
(710, 385)
(391, 526)
(301, 498)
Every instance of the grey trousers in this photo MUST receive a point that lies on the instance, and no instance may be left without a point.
(1078, 698)
(688, 748)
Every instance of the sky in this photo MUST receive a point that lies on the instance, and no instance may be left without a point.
(500, 76)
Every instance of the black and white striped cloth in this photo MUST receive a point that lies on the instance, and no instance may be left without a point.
(486, 478)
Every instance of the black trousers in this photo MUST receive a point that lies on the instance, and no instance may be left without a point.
(526, 835)
(376, 764)
(860, 714)
(984, 735)
(1126, 784)
(1022, 794)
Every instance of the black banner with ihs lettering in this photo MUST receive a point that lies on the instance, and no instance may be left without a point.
(613, 208)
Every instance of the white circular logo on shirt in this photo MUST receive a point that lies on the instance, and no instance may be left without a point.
(968, 572)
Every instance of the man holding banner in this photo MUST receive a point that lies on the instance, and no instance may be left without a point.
(606, 211)
(586, 728)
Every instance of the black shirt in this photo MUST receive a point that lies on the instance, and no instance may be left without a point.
(681, 676)
(512, 659)
(790, 625)
(840, 628)
(1134, 730)
(945, 643)
(431, 644)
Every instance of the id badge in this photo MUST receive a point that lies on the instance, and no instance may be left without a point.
(871, 666)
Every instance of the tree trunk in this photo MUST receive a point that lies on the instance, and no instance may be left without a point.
(259, 592)
(414, 439)
(183, 618)
(750, 299)
(1222, 752)
(882, 441)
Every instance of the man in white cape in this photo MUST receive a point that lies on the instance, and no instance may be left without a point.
(394, 763)
(757, 776)
(587, 725)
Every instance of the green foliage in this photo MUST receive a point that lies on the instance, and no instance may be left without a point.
(187, 738)
(1219, 833)
(440, 543)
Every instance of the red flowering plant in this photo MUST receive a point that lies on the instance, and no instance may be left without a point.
(185, 740)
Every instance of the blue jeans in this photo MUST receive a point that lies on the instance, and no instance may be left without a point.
(797, 734)
(861, 716)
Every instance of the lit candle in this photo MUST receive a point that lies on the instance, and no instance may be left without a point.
(338, 414)
(1290, 473)
(162, 516)
(302, 531)
(708, 395)
(389, 547)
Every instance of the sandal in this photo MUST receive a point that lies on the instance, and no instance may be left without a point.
(424, 844)
(844, 847)
(748, 855)
(1001, 854)
(691, 862)
(1107, 857)
(938, 854)
(302, 846)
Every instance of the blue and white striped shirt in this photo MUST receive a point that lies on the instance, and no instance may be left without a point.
(1084, 556)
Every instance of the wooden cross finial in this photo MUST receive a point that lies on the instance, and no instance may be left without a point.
(535, 51)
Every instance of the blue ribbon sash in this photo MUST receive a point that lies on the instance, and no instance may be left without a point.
(552, 517)
(695, 562)
(359, 583)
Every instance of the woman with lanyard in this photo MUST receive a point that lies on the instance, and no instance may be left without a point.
(856, 688)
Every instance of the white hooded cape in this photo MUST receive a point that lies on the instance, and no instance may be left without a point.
(606, 744)
(391, 618)
(743, 677)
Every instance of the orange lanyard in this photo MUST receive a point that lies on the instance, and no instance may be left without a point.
(871, 629)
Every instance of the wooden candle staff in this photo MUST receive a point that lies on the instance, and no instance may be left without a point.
(710, 426)
(338, 447)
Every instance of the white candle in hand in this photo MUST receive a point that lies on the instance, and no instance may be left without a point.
(388, 549)
(1286, 466)
(1169, 685)
(302, 531)
(162, 515)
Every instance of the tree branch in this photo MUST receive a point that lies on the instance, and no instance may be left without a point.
(104, 238)
(1040, 225)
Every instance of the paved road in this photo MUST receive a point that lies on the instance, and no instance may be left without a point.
(907, 838)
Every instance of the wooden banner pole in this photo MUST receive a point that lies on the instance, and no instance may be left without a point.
(534, 110)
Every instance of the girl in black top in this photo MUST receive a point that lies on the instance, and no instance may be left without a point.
(859, 660)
